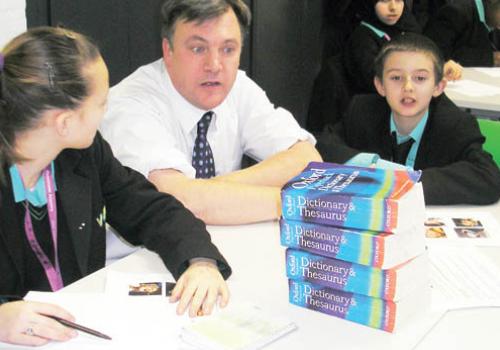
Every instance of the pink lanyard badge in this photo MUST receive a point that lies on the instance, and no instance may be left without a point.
(52, 271)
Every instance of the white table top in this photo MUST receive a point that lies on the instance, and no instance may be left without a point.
(258, 275)
(485, 102)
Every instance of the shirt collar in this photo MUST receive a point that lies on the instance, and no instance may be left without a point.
(415, 134)
(187, 114)
(378, 32)
(35, 196)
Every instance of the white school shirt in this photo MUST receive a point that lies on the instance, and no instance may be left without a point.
(150, 126)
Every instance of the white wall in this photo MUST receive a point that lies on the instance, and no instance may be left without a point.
(12, 19)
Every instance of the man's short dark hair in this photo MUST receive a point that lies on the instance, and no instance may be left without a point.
(410, 42)
(199, 11)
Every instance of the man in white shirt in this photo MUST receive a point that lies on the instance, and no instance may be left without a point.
(153, 122)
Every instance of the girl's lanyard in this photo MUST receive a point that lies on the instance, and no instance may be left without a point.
(53, 271)
(377, 31)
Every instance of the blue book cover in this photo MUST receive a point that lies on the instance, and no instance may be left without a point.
(373, 312)
(378, 249)
(351, 197)
(388, 284)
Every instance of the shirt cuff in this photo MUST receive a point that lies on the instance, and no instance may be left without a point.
(363, 159)
(208, 260)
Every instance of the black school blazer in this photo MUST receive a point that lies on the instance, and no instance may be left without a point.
(88, 181)
(455, 168)
(460, 34)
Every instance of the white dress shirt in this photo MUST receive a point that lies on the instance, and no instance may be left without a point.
(150, 126)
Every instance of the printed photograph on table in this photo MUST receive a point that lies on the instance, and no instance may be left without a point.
(433, 222)
(470, 232)
(142, 289)
(474, 229)
(434, 232)
(139, 284)
(467, 222)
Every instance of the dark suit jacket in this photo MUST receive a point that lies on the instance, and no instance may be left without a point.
(88, 181)
(364, 45)
(460, 35)
(358, 58)
(455, 168)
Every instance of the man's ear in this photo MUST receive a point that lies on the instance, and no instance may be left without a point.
(166, 48)
(379, 86)
(439, 88)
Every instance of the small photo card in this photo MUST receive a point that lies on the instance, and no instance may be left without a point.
(147, 288)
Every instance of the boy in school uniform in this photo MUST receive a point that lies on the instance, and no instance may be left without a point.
(351, 72)
(464, 31)
(412, 123)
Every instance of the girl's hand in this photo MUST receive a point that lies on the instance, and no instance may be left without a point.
(24, 323)
(452, 71)
(199, 288)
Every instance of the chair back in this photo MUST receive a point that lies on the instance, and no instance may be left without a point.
(491, 131)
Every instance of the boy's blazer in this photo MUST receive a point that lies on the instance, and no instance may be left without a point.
(455, 167)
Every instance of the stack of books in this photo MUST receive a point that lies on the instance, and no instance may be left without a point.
(356, 246)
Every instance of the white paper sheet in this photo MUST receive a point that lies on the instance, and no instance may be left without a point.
(462, 277)
(141, 323)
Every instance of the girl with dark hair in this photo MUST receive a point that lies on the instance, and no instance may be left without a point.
(381, 21)
(351, 72)
(60, 184)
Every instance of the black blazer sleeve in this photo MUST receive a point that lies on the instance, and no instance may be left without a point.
(460, 34)
(145, 216)
(332, 146)
(359, 56)
(456, 169)
(340, 142)
(446, 28)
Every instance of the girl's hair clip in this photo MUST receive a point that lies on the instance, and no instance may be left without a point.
(50, 75)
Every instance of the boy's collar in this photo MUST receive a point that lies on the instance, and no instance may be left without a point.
(415, 134)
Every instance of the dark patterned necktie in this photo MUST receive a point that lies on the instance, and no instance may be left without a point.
(400, 152)
(203, 159)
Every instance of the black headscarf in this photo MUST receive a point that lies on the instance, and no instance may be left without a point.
(407, 22)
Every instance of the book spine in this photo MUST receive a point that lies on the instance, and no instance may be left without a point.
(341, 275)
(375, 214)
(372, 312)
(361, 247)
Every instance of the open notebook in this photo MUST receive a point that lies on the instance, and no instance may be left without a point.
(240, 326)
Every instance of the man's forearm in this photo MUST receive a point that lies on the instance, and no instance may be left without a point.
(278, 169)
(219, 202)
